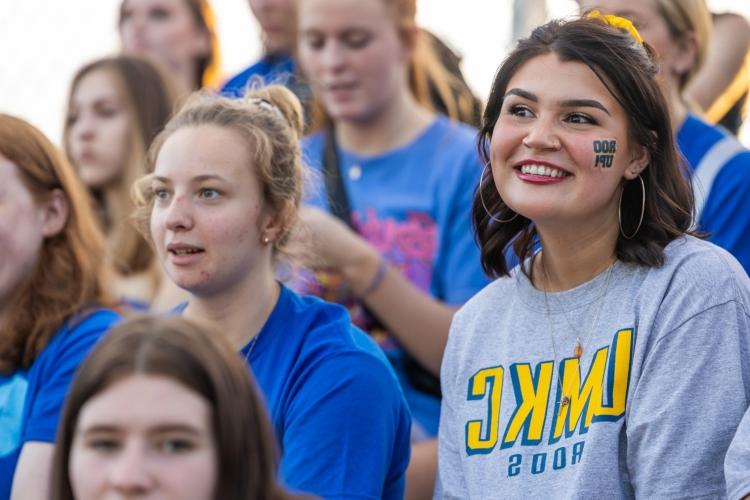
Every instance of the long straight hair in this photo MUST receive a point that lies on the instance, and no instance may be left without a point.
(148, 97)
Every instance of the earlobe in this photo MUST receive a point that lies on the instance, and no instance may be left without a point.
(56, 211)
(638, 164)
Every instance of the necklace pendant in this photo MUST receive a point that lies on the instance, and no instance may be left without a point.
(578, 350)
(565, 401)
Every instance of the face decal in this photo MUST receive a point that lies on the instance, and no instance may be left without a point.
(604, 152)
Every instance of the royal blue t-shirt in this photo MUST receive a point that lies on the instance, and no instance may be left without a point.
(269, 69)
(413, 204)
(340, 417)
(726, 213)
(31, 400)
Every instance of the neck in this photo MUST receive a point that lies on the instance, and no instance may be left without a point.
(574, 254)
(240, 312)
(678, 109)
(399, 123)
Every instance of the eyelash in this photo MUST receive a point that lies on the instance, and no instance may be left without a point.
(586, 118)
(524, 112)
(203, 191)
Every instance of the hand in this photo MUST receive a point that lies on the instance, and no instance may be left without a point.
(332, 245)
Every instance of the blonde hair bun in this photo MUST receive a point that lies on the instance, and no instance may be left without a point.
(284, 101)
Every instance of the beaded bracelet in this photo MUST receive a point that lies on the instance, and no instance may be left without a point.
(377, 279)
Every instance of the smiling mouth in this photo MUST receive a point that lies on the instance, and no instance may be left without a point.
(543, 171)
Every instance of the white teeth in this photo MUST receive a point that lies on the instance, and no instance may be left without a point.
(542, 170)
(184, 251)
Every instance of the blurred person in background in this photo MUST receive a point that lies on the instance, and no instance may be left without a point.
(219, 206)
(53, 295)
(278, 24)
(392, 241)
(719, 166)
(179, 35)
(116, 106)
(164, 408)
(721, 85)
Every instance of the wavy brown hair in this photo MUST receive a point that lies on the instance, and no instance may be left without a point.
(148, 98)
(70, 273)
(628, 70)
(199, 359)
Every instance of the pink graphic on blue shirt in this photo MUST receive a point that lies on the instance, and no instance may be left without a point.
(409, 245)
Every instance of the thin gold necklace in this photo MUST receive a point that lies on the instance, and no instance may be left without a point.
(578, 348)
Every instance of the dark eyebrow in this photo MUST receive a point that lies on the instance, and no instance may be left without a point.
(521, 93)
(584, 103)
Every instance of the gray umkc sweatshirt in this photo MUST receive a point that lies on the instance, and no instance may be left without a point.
(655, 399)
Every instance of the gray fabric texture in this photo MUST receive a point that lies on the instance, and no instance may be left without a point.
(655, 399)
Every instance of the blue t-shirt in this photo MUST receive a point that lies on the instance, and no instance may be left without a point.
(269, 69)
(31, 400)
(414, 205)
(726, 213)
(340, 418)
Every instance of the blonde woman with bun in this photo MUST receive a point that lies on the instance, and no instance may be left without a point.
(219, 206)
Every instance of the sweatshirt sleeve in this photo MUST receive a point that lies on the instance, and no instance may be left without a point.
(688, 401)
(737, 462)
(450, 483)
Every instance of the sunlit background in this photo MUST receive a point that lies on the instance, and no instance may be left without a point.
(43, 43)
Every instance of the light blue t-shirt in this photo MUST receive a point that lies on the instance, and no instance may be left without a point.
(726, 213)
(340, 417)
(31, 400)
(413, 204)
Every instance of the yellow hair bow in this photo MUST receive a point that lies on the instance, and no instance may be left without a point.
(617, 22)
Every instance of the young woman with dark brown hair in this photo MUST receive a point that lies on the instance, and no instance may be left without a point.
(52, 289)
(612, 360)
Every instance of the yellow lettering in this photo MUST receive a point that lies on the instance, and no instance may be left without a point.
(478, 389)
(581, 398)
(531, 400)
(618, 377)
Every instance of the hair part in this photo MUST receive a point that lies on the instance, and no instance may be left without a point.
(71, 273)
(199, 359)
(270, 121)
(628, 70)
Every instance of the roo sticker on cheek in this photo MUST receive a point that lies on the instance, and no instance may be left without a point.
(604, 152)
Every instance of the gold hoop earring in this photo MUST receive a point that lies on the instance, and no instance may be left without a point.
(643, 211)
(481, 198)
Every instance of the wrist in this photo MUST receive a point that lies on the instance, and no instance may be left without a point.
(365, 272)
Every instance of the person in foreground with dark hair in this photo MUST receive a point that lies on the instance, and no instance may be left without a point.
(163, 407)
(609, 362)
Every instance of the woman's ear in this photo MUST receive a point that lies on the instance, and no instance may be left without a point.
(640, 160)
(275, 223)
(54, 212)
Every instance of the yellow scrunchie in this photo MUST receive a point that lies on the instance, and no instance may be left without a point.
(617, 22)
